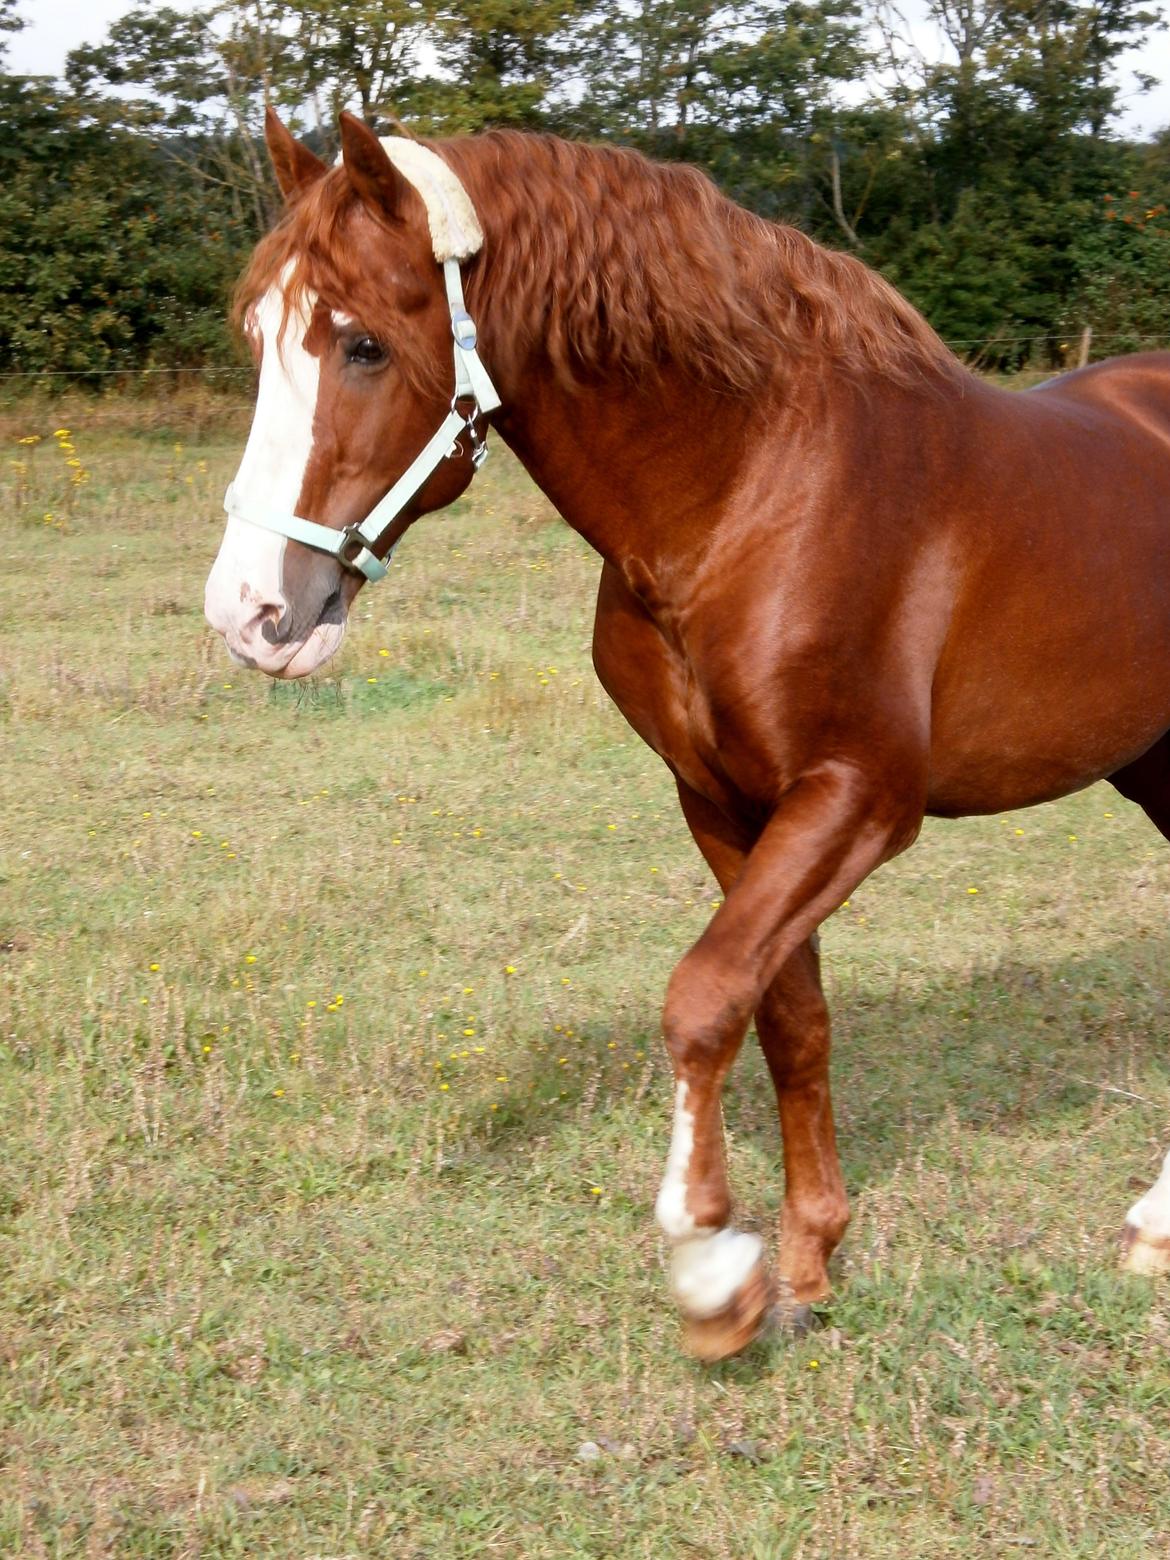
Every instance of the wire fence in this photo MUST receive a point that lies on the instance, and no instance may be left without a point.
(974, 348)
(1055, 337)
(127, 372)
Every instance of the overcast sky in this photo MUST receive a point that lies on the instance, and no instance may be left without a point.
(53, 27)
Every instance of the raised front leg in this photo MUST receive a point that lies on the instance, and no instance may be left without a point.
(831, 830)
(792, 1022)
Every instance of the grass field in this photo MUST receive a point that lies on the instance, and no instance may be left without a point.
(334, 1105)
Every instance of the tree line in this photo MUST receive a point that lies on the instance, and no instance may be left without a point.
(993, 188)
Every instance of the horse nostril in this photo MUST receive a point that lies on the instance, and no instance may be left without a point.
(274, 621)
(268, 614)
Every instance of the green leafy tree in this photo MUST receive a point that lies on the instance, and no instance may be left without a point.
(315, 57)
(978, 184)
(693, 78)
(1122, 260)
(497, 63)
(1004, 157)
(10, 22)
(146, 271)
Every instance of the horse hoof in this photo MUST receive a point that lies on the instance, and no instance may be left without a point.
(731, 1329)
(1142, 1252)
(795, 1321)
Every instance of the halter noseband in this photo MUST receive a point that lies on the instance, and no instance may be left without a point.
(455, 235)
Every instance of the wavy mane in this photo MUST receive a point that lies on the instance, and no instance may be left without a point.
(615, 265)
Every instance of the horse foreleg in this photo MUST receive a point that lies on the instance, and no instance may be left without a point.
(718, 1274)
(831, 830)
(792, 1023)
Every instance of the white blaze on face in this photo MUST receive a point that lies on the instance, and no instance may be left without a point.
(707, 1265)
(245, 587)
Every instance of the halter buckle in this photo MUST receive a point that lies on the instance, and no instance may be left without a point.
(463, 329)
(351, 546)
(354, 554)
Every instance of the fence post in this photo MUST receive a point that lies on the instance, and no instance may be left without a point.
(1086, 343)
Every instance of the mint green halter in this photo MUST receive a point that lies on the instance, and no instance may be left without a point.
(474, 396)
(455, 235)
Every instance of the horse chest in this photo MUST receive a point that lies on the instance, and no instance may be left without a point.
(646, 667)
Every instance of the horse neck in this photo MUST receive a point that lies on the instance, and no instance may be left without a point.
(638, 470)
(749, 319)
(650, 473)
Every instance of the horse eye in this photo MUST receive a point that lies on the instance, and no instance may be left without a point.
(365, 350)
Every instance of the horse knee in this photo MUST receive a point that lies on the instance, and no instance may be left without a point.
(826, 1214)
(703, 1018)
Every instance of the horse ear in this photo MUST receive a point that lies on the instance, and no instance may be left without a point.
(294, 165)
(372, 174)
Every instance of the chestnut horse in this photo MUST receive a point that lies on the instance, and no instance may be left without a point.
(844, 582)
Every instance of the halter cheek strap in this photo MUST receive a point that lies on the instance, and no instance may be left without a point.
(455, 235)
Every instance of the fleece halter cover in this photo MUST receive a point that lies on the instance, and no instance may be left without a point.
(455, 236)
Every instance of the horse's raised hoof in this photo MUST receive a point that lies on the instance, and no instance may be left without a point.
(738, 1323)
(1143, 1252)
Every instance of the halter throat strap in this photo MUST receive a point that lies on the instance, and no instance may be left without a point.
(455, 235)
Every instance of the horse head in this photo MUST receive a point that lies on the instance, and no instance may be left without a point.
(360, 423)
